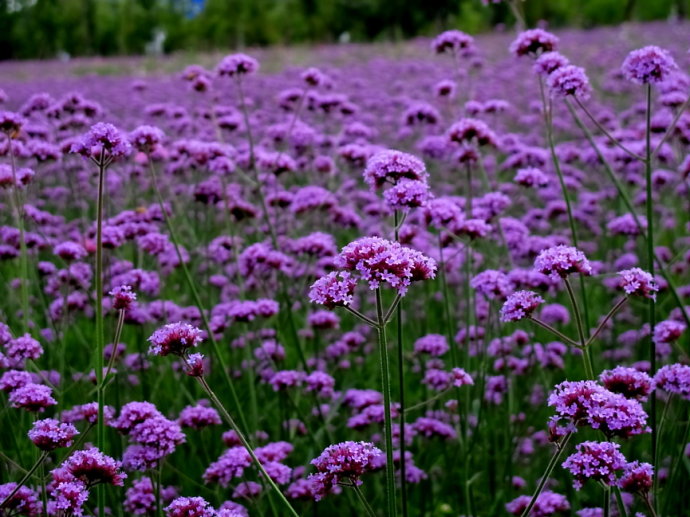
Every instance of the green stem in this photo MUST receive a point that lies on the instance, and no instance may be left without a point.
(603, 323)
(23, 253)
(549, 469)
(23, 481)
(601, 128)
(391, 510)
(401, 388)
(196, 297)
(555, 332)
(580, 330)
(629, 206)
(622, 512)
(100, 330)
(607, 501)
(363, 500)
(650, 260)
(240, 435)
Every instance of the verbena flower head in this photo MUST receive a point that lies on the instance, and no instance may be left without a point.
(69, 497)
(629, 382)
(190, 507)
(588, 403)
(533, 42)
(174, 338)
(598, 461)
(25, 502)
(648, 65)
(471, 130)
(343, 462)
(407, 194)
(520, 305)
(32, 397)
(134, 413)
(492, 283)
(102, 141)
(146, 138)
(391, 166)
(561, 260)
(569, 80)
(667, 332)
(637, 478)
(452, 41)
(548, 503)
(11, 123)
(549, 62)
(237, 65)
(123, 297)
(636, 282)
(49, 434)
(93, 467)
(380, 261)
(674, 379)
(435, 345)
(335, 289)
(461, 378)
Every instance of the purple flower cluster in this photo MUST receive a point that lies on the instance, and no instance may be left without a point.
(344, 462)
(598, 461)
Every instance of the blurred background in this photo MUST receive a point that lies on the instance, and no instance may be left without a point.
(65, 28)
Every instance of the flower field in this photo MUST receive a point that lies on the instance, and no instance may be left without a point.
(436, 278)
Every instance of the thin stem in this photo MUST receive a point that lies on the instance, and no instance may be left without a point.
(196, 297)
(650, 506)
(100, 330)
(113, 355)
(427, 401)
(672, 126)
(23, 481)
(650, 260)
(231, 422)
(549, 469)
(391, 510)
(23, 253)
(365, 319)
(603, 323)
(580, 330)
(606, 133)
(622, 512)
(401, 384)
(628, 204)
(363, 500)
(394, 306)
(555, 332)
(607, 501)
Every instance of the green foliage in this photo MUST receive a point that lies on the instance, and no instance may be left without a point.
(45, 28)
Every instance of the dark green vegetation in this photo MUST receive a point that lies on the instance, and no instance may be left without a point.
(44, 28)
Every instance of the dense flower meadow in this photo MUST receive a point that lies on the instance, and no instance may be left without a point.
(452, 282)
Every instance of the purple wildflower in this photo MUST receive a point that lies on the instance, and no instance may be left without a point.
(637, 477)
(533, 42)
(648, 65)
(674, 379)
(49, 434)
(342, 462)
(520, 305)
(561, 260)
(636, 282)
(599, 461)
(174, 338)
(569, 80)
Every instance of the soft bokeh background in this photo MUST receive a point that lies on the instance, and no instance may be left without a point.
(63, 28)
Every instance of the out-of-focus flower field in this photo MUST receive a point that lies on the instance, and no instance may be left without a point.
(435, 278)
